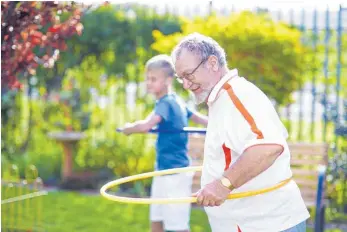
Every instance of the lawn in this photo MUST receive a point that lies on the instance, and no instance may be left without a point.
(70, 211)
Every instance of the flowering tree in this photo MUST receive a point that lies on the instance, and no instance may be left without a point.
(32, 34)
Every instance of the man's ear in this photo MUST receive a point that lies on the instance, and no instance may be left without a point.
(213, 63)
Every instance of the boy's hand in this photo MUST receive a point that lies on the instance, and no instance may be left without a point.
(127, 129)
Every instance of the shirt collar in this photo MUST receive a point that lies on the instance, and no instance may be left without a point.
(216, 89)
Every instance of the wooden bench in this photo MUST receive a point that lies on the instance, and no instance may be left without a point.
(308, 163)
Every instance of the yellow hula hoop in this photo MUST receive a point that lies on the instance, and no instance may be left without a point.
(145, 201)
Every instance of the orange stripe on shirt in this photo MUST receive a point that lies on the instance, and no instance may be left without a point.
(243, 111)
(227, 154)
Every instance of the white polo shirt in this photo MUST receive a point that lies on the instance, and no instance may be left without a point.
(241, 116)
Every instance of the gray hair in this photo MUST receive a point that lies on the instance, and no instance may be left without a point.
(163, 62)
(202, 46)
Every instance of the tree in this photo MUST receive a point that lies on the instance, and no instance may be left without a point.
(115, 43)
(265, 52)
(126, 34)
(32, 34)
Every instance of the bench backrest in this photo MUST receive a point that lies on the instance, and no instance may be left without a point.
(305, 160)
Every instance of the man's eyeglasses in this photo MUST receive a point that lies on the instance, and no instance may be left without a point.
(189, 76)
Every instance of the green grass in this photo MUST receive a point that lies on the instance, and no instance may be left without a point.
(70, 212)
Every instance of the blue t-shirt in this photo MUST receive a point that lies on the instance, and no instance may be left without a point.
(171, 148)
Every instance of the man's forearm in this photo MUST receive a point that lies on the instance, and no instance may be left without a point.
(251, 163)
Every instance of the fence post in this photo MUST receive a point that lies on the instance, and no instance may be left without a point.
(210, 8)
(314, 73)
(326, 73)
(338, 71)
(289, 107)
(301, 85)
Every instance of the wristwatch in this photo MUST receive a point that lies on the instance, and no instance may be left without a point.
(226, 183)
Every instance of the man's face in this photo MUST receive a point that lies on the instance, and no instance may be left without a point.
(195, 74)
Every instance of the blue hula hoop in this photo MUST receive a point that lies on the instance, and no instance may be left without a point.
(190, 130)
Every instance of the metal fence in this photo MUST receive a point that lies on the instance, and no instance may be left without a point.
(21, 200)
(321, 102)
(319, 110)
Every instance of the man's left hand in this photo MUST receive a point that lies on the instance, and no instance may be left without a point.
(213, 194)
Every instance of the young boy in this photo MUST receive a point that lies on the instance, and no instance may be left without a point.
(170, 113)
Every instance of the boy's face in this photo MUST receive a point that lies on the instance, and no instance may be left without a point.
(156, 81)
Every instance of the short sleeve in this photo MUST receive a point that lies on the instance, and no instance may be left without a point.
(189, 112)
(162, 108)
(254, 120)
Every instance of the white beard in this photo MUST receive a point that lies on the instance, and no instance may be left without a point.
(201, 97)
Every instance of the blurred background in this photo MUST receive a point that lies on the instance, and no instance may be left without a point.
(72, 72)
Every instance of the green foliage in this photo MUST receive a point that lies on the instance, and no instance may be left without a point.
(265, 52)
(26, 140)
(104, 147)
(117, 37)
(331, 58)
(111, 51)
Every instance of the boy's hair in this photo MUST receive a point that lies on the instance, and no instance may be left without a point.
(163, 62)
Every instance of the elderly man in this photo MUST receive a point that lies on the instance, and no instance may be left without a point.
(245, 145)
